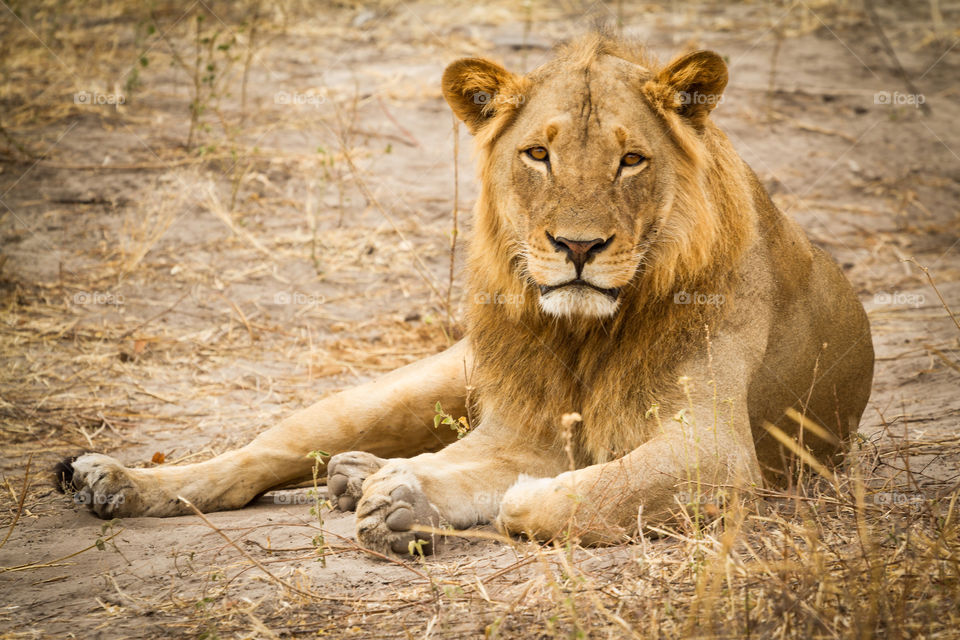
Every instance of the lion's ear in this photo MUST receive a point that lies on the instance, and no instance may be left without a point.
(476, 88)
(692, 85)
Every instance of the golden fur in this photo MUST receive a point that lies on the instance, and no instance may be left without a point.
(581, 269)
(703, 235)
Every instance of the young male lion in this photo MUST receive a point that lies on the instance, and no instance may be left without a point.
(625, 265)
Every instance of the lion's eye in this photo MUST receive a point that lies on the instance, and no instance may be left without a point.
(538, 153)
(631, 159)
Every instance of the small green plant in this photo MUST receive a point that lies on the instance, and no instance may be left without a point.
(319, 541)
(207, 70)
(316, 190)
(108, 530)
(415, 548)
(202, 607)
(460, 425)
(143, 30)
(106, 526)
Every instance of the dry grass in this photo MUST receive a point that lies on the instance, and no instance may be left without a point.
(150, 309)
(858, 557)
(853, 560)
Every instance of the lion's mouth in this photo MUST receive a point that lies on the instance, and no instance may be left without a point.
(612, 293)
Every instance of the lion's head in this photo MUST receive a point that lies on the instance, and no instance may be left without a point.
(595, 175)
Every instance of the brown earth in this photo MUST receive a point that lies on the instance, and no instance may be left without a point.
(160, 299)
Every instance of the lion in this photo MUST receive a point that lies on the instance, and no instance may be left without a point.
(642, 323)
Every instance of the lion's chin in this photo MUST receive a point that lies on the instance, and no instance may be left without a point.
(575, 300)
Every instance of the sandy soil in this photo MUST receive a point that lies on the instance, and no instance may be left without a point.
(143, 314)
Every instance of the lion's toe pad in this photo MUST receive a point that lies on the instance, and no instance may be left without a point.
(391, 510)
(345, 475)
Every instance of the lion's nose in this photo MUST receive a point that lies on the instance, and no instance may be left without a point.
(579, 252)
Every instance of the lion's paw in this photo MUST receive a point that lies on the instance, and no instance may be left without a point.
(101, 483)
(392, 505)
(345, 475)
(539, 508)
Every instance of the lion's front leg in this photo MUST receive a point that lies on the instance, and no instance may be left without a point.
(391, 416)
(600, 504)
(460, 486)
(111, 490)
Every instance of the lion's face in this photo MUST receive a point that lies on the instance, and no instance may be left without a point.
(582, 173)
(585, 185)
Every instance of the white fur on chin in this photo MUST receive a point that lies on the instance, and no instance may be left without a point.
(578, 301)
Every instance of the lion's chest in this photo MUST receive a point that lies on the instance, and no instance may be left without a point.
(613, 395)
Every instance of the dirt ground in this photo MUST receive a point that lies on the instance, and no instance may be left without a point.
(168, 292)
